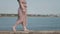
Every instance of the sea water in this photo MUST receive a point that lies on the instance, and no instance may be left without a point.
(33, 23)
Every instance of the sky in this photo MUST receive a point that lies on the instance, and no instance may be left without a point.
(34, 6)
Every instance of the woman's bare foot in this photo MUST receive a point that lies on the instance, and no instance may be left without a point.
(26, 30)
(14, 29)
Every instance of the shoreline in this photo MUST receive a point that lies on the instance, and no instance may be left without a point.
(30, 32)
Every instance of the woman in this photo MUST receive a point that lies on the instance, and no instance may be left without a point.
(21, 15)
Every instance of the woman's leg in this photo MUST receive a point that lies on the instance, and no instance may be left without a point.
(25, 21)
(20, 19)
(17, 23)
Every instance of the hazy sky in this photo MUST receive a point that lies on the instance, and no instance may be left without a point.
(34, 6)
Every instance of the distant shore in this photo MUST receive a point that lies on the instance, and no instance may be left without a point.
(29, 15)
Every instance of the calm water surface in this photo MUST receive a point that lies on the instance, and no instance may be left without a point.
(34, 23)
